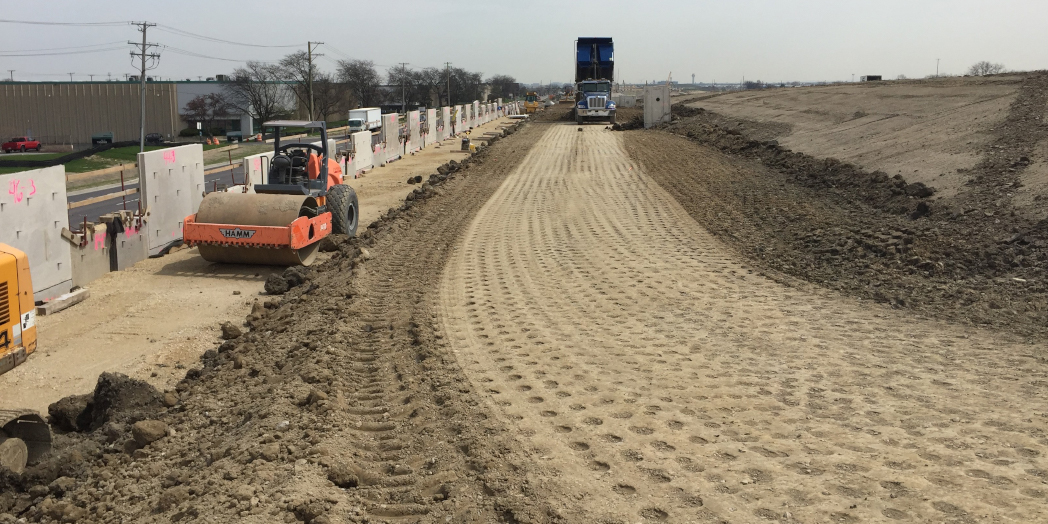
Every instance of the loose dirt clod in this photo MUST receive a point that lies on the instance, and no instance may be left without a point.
(146, 432)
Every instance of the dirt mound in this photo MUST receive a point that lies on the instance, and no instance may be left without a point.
(557, 113)
(340, 403)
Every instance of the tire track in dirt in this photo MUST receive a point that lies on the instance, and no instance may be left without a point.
(661, 378)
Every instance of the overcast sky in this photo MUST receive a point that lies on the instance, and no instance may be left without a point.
(532, 40)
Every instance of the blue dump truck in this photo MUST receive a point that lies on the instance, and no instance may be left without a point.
(594, 73)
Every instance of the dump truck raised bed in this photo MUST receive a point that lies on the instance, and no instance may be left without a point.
(594, 73)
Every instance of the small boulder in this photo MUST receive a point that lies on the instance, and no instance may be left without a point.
(270, 452)
(276, 285)
(147, 431)
(343, 476)
(68, 413)
(230, 332)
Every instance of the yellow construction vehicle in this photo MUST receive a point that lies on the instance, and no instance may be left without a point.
(24, 436)
(531, 102)
(17, 309)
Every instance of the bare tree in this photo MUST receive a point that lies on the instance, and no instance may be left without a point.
(361, 80)
(901, 77)
(256, 89)
(985, 68)
(502, 86)
(400, 76)
(297, 69)
(465, 86)
(330, 97)
(206, 109)
(430, 86)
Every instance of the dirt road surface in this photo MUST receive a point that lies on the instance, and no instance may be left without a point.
(662, 378)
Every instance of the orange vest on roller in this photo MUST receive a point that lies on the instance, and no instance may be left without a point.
(334, 170)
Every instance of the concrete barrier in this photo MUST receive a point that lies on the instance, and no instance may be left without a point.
(391, 145)
(127, 240)
(33, 213)
(458, 119)
(656, 105)
(91, 259)
(445, 124)
(363, 153)
(622, 100)
(432, 128)
(475, 111)
(172, 185)
(256, 168)
(414, 136)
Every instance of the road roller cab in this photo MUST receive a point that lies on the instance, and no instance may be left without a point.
(303, 200)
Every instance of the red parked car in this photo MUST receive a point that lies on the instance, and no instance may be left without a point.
(20, 143)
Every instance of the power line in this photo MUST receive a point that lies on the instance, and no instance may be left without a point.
(6, 55)
(180, 32)
(198, 55)
(62, 48)
(33, 22)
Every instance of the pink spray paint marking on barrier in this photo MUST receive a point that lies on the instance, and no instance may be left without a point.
(169, 156)
(100, 241)
(13, 190)
(17, 193)
(256, 164)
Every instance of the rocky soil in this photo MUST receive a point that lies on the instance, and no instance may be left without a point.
(336, 400)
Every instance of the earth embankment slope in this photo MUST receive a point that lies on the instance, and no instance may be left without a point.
(929, 131)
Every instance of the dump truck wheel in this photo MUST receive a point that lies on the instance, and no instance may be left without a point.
(345, 212)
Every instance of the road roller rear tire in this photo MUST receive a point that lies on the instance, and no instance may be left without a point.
(345, 212)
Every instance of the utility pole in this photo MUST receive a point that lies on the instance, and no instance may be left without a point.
(447, 69)
(403, 88)
(92, 77)
(70, 76)
(309, 81)
(154, 58)
(12, 73)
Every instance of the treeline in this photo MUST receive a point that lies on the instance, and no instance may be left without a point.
(274, 90)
